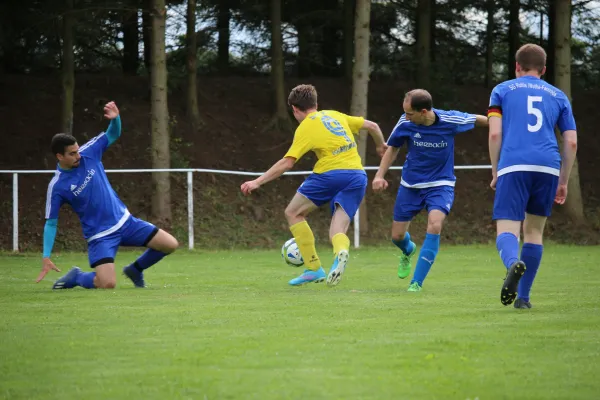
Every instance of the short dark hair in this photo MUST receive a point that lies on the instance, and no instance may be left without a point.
(419, 99)
(531, 57)
(61, 141)
(303, 97)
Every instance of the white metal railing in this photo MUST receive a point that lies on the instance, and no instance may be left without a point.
(190, 192)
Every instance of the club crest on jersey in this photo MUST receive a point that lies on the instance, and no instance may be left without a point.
(88, 178)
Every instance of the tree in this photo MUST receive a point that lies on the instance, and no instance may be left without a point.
(349, 7)
(68, 69)
(562, 78)
(131, 39)
(161, 200)
(191, 49)
(281, 119)
(424, 43)
(147, 32)
(360, 85)
(514, 40)
(489, 44)
(223, 20)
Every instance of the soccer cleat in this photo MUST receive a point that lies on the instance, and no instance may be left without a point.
(67, 281)
(415, 287)
(337, 269)
(508, 294)
(137, 277)
(404, 266)
(520, 303)
(309, 276)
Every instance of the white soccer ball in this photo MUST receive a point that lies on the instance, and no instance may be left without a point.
(291, 253)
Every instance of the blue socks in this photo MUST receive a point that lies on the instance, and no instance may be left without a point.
(508, 248)
(86, 280)
(405, 244)
(429, 251)
(148, 259)
(531, 255)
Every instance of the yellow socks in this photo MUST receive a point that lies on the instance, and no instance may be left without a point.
(306, 243)
(340, 242)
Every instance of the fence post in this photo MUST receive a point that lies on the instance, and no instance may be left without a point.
(15, 212)
(190, 199)
(357, 229)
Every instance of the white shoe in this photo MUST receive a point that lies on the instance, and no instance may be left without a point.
(337, 269)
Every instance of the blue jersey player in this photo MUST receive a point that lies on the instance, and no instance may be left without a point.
(81, 182)
(527, 172)
(427, 176)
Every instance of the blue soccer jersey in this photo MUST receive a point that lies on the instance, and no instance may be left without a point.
(87, 190)
(530, 110)
(430, 157)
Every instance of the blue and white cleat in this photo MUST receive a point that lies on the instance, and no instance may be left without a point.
(67, 281)
(337, 269)
(136, 276)
(309, 276)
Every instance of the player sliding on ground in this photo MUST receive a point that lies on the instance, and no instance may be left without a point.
(427, 176)
(81, 182)
(527, 173)
(338, 178)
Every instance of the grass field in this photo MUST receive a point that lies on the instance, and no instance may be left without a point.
(225, 325)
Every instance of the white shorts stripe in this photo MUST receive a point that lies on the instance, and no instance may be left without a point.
(113, 228)
(426, 185)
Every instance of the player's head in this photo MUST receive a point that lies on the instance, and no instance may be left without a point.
(303, 99)
(530, 60)
(66, 149)
(417, 105)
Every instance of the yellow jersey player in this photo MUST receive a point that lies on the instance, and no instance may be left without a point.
(338, 178)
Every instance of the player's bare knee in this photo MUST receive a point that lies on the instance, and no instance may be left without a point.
(434, 227)
(171, 245)
(107, 283)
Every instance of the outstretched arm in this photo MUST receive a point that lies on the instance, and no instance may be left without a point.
(278, 169)
(377, 135)
(379, 182)
(481, 121)
(49, 237)
(111, 112)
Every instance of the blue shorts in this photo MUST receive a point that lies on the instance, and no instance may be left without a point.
(523, 192)
(409, 202)
(134, 232)
(344, 187)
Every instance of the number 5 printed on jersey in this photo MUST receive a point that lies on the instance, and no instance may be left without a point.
(536, 112)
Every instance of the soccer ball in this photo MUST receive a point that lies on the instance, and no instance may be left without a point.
(291, 253)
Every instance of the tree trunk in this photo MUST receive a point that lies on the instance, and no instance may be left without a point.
(191, 50)
(514, 26)
(130, 42)
(360, 85)
(489, 45)
(147, 32)
(223, 19)
(551, 47)
(68, 69)
(349, 9)
(281, 118)
(161, 200)
(424, 44)
(304, 48)
(574, 203)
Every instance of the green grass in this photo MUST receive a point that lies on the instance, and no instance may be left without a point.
(225, 325)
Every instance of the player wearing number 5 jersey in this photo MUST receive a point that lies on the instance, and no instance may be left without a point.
(338, 178)
(527, 171)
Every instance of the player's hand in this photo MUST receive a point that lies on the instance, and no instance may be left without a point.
(381, 149)
(561, 194)
(249, 187)
(47, 265)
(494, 181)
(111, 111)
(379, 184)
